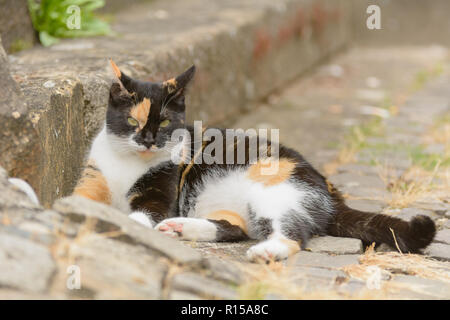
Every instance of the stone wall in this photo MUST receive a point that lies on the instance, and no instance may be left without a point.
(16, 28)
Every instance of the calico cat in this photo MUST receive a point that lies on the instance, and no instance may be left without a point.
(131, 166)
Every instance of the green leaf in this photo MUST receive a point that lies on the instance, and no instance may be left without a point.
(49, 18)
(46, 39)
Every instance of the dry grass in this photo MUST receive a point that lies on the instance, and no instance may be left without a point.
(276, 280)
(397, 263)
(391, 264)
(416, 184)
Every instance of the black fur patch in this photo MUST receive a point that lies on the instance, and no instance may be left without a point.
(260, 227)
(228, 232)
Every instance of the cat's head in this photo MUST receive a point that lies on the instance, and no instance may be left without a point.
(142, 115)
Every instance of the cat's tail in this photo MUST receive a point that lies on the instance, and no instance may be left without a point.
(380, 228)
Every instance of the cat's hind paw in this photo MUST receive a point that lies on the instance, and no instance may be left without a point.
(272, 250)
(188, 229)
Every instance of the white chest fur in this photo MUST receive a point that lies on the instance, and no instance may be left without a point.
(121, 170)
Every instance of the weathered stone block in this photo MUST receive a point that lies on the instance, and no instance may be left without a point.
(16, 28)
(442, 236)
(408, 213)
(80, 209)
(439, 251)
(24, 265)
(324, 260)
(335, 245)
(366, 205)
(201, 286)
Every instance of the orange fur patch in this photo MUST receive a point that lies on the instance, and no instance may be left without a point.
(331, 188)
(293, 246)
(140, 112)
(230, 216)
(93, 185)
(115, 69)
(271, 172)
(171, 84)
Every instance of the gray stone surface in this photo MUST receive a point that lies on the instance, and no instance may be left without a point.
(223, 249)
(18, 144)
(117, 257)
(335, 245)
(442, 236)
(224, 270)
(24, 264)
(354, 180)
(112, 269)
(352, 287)
(439, 251)
(310, 278)
(109, 219)
(323, 260)
(201, 286)
(360, 169)
(366, 205)
(433, 288)
(15, 25)
(438, 207)
(408, 213)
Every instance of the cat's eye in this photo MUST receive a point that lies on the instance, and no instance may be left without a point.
(164, 123)
(133, 122)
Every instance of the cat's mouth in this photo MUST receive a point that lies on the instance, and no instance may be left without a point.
(148, 152)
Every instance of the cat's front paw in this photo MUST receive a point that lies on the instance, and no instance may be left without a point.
(170, 228)
(269, 250)
(188, 229)
(142, 218)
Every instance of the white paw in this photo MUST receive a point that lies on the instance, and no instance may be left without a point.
(25, 187)
(188, 229)
(272, 249)
(142, 218)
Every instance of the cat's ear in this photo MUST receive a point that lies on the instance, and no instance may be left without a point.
(178, 85)
(118, 93)
(122, 78)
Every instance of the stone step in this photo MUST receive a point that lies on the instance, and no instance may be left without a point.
(243, 50)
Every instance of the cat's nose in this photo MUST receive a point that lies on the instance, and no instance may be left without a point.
(148, 141)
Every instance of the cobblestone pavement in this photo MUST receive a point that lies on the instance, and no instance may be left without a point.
(377, 123)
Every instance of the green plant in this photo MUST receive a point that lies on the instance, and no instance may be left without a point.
(51, 18)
